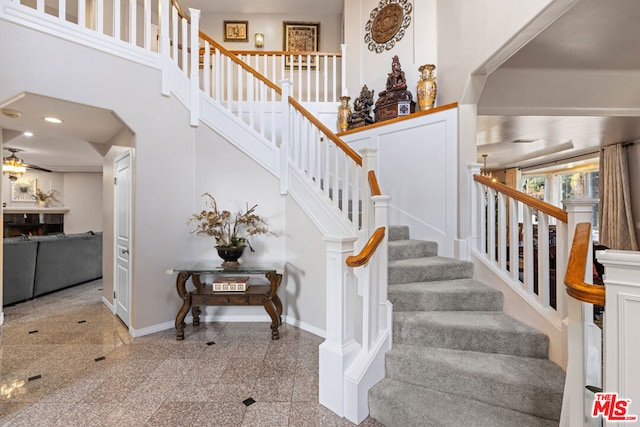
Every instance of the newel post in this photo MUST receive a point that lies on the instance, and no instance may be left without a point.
(369, 162)
(343, 70)
(165, 47)
(285, 144)
(576, 324)
(194, 72)
(476, 214)
(381, 213)
(339, 348)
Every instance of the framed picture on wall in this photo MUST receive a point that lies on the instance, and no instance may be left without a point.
(236, 31)
(23, 190)
(303, 37)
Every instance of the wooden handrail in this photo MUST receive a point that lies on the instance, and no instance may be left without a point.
(543, 207)
(368, 250)
(574, 277)
(284, 53)
(373, 183)
(181, 13)
(332, 136)
(240, 62)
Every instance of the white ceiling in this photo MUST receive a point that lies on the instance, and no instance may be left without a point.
(593, 35)
(68, 146)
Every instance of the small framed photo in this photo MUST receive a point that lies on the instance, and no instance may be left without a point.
(301, 37)
(236, 31)
(23, 190)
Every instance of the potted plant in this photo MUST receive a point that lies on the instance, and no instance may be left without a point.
(45, 198)
(231, 232)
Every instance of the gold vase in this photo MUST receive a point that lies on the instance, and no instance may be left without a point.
(344, 111)
(427, 88)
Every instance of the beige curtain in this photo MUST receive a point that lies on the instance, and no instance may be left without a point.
(616, 221)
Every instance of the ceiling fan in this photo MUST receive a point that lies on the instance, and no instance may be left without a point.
(14, 167)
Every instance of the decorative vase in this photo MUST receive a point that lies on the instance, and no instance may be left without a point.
(344, 111)
(427, 88)
(43, 203)
(230, 255)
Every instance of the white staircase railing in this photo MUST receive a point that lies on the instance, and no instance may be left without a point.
(305, 154)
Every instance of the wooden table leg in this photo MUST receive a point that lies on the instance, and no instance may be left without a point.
(273, 305)
(186, 303)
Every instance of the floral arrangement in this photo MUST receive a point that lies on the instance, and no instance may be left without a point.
(51, 195)
(229, 230)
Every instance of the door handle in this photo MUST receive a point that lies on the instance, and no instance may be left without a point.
(124, 251)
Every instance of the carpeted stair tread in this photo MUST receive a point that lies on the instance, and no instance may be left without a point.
(530, 385)
(396, 403)
(404, 249)
(445, 295)
(491, 332)
(398, 232)
(428, 269)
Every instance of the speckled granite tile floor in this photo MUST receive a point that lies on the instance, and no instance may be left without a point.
(65, 360)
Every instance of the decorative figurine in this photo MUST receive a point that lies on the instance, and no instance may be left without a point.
(396, 100)
(361, 115)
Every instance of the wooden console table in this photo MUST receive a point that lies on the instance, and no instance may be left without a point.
(265, 295)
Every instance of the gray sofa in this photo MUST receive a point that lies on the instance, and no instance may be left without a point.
(36, 265)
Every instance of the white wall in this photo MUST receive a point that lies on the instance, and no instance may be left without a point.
(83, 197)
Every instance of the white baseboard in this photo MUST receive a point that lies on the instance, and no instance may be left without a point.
(224, 318)
(1, 317)
(109, 305)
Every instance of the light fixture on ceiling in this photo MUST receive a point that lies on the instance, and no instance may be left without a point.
(484, 172)
(28, 134)
(13, 166)
(53, 120)
(258, 39)
(12, 114)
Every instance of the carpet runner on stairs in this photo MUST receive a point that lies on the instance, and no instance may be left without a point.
(457, 359)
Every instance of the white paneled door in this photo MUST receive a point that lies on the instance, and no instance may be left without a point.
(122, 288)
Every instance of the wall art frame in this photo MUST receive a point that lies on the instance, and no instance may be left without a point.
(301, 37)
(236, 31)
(24, 190)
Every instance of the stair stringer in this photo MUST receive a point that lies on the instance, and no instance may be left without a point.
(239, 134)
(367, 370)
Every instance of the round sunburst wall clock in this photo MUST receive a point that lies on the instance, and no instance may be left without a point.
(387, 24)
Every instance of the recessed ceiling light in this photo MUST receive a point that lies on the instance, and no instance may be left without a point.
(28, 133)
(54, 120)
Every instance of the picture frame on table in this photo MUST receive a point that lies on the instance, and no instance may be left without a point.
(236, 31)
(300, 37)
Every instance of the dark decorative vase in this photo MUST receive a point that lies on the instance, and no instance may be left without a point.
(230, 255)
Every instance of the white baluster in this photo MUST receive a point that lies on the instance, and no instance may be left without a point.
(502, 231)
(491, 224)
(343, 71)
(147, 24)
(62, 8)
(528, 249)
(117, 24)
(543, 259)
(514, 240)
(194, 75)
(132, 22)
(206, 71)
(218, 71)
(286, 136)
(165, 42)
(184, 42)
(175, 37)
